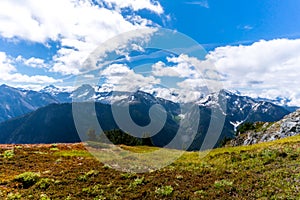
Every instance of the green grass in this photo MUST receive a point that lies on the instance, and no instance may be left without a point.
(262, 171)
(73, 153)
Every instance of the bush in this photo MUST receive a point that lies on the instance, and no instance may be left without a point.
(247, 126)
(44, 183)
(8, 154)
(13, 196)
(137, 181)
(164, 190)
(28, 178)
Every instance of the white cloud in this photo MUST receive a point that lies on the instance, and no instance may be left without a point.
(193, 78)
(119, 77)
(9, 73)
(184, 67)
(6, 66)
(265, 68)
(32, 62)
(136, 5)
(160, 69)
(79, 25)
(203, 3)
(248, 27)
(22, 78)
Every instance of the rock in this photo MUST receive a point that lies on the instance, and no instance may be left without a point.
(288, 126)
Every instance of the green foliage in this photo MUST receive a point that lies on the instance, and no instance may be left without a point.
(106, 166)
(247, 126)
(256, 127)
(116, 137)
(93, 190)
(164, 190)
(28, 178)
(119, 137)
(223, 183)
(224, 141)
(44, 183)
(8, 154)
(179, 177)
(73, 153)
(54, 149)
(200, 193)
(68, 198)
(128, 175)
(54, 145)
(13, 196)
(87, 175)
(262, 171)
(146, 140)
(137, 181)
(44, 197)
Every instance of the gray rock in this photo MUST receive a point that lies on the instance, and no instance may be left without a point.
(288, 126)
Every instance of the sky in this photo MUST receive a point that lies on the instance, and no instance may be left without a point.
(254, 45)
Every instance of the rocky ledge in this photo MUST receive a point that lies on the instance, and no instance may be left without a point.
(264, 132)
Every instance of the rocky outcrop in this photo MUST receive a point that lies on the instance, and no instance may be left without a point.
(288, 126)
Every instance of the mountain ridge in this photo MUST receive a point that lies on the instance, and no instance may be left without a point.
(46, 125)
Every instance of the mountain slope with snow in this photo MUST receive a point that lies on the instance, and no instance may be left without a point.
(50, 120)
(16, 102)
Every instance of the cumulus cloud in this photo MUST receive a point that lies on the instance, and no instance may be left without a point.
(160, 69)
(119, 77)
(9, 73)
(32, 62)
(6, 66)
(193, 78)
(79, 25)
(266, 68)
(136, 5)
(184, 66)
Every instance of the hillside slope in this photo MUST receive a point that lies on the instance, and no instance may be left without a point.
(67, 171)
(263, 132)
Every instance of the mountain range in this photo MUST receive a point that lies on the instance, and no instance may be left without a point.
(45, 116)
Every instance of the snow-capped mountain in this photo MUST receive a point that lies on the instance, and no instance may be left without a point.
(281, 101)
(16, 102)
(62, 95)
(240, 109)
(236, 109)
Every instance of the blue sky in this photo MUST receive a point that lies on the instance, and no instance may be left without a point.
(46, 42)
(217, 23)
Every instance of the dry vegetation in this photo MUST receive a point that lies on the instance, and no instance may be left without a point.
(68, 171)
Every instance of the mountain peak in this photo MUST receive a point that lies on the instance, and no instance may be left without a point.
(53, 90)
(4, 86)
